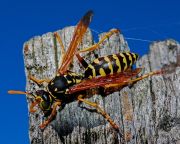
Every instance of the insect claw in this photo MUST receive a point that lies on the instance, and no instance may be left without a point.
(116, 127)
(79, 103)
(160, 72)
(43, 125)
(32, 110)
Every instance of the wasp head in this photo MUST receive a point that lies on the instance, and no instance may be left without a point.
(44, 100)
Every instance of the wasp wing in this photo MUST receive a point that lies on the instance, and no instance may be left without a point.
(120, 79)
(79, 32)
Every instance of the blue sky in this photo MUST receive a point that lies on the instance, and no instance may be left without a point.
(21, 20)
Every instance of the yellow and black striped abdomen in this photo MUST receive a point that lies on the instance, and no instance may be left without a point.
(110, 64)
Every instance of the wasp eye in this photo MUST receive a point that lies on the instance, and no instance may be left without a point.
(45, 97)
(40, 92)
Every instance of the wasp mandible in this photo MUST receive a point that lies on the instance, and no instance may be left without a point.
(107, 72)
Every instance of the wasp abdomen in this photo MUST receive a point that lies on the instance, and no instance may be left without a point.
(110, 64)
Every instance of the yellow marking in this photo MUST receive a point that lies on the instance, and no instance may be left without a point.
(50, 92)
(67, 90)
(78, 80)
(55, 89)
(90, 77)
(96, 61)
(117, 62)
(74, 80)
(93, 70)
(69, 82)
(39, 97)
(135, 57)
(52, 83)
(130, 58)
(75, 74)
(102, 72)
(124, 61)
(109, 64)
(72, 74)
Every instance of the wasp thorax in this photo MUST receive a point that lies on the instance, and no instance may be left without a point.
(61, 83)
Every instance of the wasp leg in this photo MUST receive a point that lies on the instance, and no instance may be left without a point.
(39, 82)
(99, 110)
(131, 81)
(97, 45)
(82, 61)
(93, 47)
(57, 36)
(51, 117)
(33, 104)
(145, 76)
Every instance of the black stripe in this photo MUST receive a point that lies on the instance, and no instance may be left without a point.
(122, 64)
(88, 72)
(69, 77)
(137, 56)
(133, 59)
(128, 60)
(102, 64)
(105, 66)
(97, 66)
(113, 62)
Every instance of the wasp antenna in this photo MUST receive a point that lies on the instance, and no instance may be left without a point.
(16, 92)
(20, 92)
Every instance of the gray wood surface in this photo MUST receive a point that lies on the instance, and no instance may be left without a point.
(148, 112)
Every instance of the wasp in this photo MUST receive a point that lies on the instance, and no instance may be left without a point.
(108, 72)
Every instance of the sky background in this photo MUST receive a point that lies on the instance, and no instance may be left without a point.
(20, 20)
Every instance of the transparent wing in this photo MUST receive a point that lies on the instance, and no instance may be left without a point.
(79, 32)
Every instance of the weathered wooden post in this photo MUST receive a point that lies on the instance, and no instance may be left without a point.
(148, 112)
